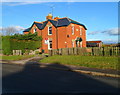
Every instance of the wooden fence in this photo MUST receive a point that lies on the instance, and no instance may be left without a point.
(90, 51)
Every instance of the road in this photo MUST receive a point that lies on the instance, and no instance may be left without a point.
(35, 78)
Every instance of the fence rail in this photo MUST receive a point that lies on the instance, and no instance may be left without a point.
(90, 51)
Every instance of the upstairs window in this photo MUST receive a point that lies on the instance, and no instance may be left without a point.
(80, 30)
(50, 30)
(72, 30)
(34, 30)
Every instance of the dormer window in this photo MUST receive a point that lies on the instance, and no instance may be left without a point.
(34, 30)
(72, 30)
(49, 30)
(80, 30)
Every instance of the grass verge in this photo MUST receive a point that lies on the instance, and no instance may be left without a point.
(16, 57)
(102, 62)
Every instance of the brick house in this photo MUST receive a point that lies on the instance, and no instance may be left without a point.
(94, 43)
(59, 33)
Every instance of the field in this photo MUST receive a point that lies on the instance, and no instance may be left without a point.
(16, 57)
(102, 62)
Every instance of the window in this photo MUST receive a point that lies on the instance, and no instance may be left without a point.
(35, 29)
(50, 44)
(80, 30)
(72, 30)
(50, 30)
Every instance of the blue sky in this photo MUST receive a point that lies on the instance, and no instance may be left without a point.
(100, 18)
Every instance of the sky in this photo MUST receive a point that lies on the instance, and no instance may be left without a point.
(100, 18)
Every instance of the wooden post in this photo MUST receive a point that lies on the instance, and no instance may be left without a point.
(92, 51)
(110, 51)
(103, 53)
(13, 52)
(116, 51)
(20, 52)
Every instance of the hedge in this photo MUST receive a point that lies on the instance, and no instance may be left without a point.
(20, 42)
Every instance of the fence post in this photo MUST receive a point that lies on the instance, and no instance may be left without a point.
(110, 51)
(103, 52)
(20, 52)
(92, 51)
(13, 52)
(116, 51)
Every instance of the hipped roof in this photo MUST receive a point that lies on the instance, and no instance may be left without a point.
(57, 23)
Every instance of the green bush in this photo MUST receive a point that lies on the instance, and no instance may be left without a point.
(20, 42)
(37, 52)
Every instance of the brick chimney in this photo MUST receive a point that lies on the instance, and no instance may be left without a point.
(56, 18)
(49, 16)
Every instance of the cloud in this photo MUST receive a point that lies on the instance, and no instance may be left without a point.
(0, 28)
(110, 41)
(105, 41)
(111, 32)
(93, 33)
(17, 28)
(94, 39)
(19, 3)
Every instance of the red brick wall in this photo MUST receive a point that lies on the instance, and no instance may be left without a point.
(62, 33)
(45, 35)
(76, 34)
(26, 32)
(62, 37)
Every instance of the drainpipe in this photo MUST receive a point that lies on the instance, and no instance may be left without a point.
(57, 38)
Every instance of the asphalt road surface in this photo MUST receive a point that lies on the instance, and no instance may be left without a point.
(31, 78)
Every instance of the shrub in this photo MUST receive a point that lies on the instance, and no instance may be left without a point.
(20, 42)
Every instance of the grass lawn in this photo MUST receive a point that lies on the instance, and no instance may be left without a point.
(102, 62)
(16, 57)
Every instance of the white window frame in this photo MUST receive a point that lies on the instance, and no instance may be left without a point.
(49, 30)
(49, 44)
(73, 30)
(80, 30)
(34, 30)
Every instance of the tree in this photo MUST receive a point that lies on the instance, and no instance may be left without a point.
(10, 30)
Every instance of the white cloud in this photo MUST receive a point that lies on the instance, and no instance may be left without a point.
(93, 33)
(105, 41)
(113, 31)
(0, 28)
(18, 28)
(94, 39)
(110, 41)
(19, 3)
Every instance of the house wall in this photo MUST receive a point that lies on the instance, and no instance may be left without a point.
(26, 32)
(60, 35)
(52, 37)
(76, 34)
